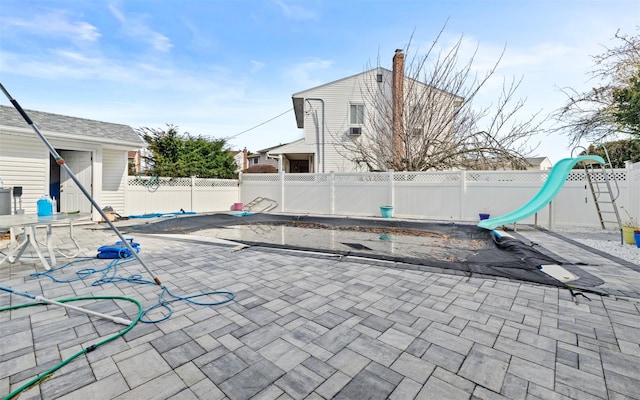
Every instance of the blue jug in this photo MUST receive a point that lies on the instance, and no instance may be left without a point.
(45, 206)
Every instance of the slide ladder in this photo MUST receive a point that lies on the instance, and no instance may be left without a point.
(605, 191)
(552, 185)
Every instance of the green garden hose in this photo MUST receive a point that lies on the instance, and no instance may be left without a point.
(92, 347)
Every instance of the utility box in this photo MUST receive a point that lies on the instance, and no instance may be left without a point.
(5, 201)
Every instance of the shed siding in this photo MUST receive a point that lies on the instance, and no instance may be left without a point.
(24, 162)
(114, 173)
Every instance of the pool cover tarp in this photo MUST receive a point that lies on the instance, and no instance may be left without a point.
(412, 244)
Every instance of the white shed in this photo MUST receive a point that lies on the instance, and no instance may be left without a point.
(96, 152)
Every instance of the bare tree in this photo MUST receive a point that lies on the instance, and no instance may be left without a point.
(429, 122)
(592, 115)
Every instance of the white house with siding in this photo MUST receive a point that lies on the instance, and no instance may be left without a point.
(339, 116)
(330, 115)
(96, 152)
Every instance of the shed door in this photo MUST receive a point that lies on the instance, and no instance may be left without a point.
(71, 197)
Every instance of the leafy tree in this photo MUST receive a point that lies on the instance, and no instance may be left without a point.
(619, 151)
(435, 125)
(175, 155)
(612, 107)
(626, 109)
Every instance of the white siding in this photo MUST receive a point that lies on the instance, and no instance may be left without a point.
(24, 161)
(337, 98)
(114, 174)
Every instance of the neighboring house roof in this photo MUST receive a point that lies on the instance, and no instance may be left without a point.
(534, 161)
(298, 146)
(267, 149)
(65, 126)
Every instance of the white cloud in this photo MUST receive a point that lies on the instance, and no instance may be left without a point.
(306, 74)
(199, 40)
(256, 66)
(294, 11)
(56, 23)
(136, 27)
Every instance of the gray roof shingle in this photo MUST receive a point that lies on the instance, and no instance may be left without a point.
(63, 124)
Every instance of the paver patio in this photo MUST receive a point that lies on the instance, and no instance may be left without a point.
(314, 326)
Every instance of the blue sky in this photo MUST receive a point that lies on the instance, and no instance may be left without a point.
(218, 68)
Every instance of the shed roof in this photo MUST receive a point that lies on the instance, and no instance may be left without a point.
(72, 126)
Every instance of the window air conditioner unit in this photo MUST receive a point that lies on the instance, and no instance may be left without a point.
(355, 131)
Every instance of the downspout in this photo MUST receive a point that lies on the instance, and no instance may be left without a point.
(322, 102)
(279, 158)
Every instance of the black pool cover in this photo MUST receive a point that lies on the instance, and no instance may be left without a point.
(412, 244)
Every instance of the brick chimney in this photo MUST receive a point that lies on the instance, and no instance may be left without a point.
(245, 160)
(397, 92)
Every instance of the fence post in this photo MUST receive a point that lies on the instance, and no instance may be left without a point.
(281, 191)
(332, 191)
(463, 194)
(392, 194)
(239, 187)
(193, 190)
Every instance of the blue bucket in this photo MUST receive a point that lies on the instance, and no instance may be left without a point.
(386, 211)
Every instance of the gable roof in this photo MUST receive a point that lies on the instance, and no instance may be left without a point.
(299, 97)
(64, 125)
(535, 161)
(297, 146)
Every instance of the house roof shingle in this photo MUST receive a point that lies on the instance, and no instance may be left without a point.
(62, 124)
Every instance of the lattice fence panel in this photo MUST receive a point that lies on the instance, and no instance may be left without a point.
(306, 178)
(261, 177)
(507, 176)
(578, 175)
(359, 177)
(427, 177)
(203, 182)
(147, 181)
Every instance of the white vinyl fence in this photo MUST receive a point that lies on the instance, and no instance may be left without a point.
(150, 195)
(451, 195)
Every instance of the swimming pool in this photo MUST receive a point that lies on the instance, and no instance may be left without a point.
(425, 245)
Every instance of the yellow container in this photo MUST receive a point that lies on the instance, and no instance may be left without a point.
(627, 234)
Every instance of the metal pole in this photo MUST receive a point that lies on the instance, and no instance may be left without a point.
(41, 299)
(320, 157)
(60, 161)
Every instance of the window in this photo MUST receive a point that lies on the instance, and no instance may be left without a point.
(356, 114)
(416, 119)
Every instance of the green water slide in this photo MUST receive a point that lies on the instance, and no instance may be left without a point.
(556, 179)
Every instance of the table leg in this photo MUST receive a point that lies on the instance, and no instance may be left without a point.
(12, 240)
(75, 243)
(52, 255)
(31, 233)
(17, 251)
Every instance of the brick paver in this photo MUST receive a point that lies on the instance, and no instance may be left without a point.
(309, 326)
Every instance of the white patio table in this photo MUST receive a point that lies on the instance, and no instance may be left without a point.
(28, 224)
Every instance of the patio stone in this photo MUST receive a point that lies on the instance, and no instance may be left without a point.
(486, 367)
(143, 367)
(299, 382)
(224, 367)
(317, 327)
(365, 385)
(251, 380)
(437, 389)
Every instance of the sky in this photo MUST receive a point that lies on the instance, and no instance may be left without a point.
(218, 68)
